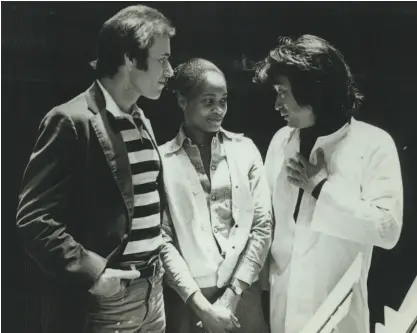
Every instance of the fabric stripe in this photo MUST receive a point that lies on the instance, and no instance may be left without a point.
(143, 245)
(146, 198)
(124, 124)
(139, 144)
(143, 155)
(146, 177)
(143, 256)
(146, 210)
(147, 221)
(145, 188)
(145, 238)
(130, 134)
(143, 167)
(147, 233)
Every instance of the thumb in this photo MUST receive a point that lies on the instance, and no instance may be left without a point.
(129, 275)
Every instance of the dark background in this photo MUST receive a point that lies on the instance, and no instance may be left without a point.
(46, 48)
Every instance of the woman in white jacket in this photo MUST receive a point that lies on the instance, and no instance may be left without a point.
(335, 182)
(218, 223)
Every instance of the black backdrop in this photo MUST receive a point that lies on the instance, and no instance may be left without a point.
(46, 48)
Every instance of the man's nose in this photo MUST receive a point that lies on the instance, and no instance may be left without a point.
(169, 72)
(278, 103)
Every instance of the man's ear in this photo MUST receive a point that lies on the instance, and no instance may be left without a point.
(129, 63)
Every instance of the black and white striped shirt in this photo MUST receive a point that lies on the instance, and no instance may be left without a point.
(145, 237)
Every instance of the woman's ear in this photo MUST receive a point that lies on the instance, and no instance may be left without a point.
(182, 101)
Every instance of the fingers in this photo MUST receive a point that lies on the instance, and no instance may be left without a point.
(293, 173)
(235, 321)
(295, 165)
(294, 181)
(304, 162)
(296, 175)
(129, 275)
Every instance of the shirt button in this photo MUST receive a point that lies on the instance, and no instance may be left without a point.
(213, 197)
(215, 229)
(213, 167)
(125, 236)
(237, 225)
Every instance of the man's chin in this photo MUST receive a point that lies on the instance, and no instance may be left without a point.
(154, 96)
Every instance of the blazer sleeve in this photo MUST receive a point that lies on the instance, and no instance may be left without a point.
(44, 199)
(373, 216)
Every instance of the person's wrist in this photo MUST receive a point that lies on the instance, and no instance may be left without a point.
(238, 287)
(316, 179)
(200, 305)
(231, 294)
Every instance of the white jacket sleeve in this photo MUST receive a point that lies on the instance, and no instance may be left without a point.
(177, 274)
(372, 215)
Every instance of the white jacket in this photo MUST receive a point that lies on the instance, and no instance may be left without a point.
(190, 254)
(359, 206)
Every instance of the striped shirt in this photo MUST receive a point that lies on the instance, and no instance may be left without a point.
(145, 237)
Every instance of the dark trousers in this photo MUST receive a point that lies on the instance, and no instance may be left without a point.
(181, 319)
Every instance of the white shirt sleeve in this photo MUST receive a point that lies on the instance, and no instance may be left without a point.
(375, 215)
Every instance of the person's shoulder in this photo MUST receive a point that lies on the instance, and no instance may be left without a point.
(375, 138)
(75, 110)
(240, 139)
(168, 147)
(282, 135)
(372, 133)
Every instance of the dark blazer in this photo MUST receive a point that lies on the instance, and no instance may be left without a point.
(76, 204)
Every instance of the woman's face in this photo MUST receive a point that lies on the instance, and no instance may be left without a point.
(207, 107)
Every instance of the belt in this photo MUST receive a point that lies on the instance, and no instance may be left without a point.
(147, 270)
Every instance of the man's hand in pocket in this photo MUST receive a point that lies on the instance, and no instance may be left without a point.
(109, 282)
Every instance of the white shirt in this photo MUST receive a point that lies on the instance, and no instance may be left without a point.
(360, 206)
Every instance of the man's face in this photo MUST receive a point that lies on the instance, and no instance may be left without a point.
(296, 116)
(150, 83)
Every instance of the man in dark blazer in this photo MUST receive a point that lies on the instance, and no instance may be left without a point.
(89, 211)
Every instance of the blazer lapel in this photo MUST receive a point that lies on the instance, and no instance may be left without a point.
(113, 146)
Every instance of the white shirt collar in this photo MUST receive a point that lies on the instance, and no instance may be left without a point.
(111, 105)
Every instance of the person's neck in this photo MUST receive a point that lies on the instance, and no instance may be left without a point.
(323, 128)
(119, 90)
(198, 137)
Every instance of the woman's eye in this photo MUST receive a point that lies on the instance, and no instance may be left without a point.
(223, 101)
(208, 102)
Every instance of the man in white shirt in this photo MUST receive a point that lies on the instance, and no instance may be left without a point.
(335, 182)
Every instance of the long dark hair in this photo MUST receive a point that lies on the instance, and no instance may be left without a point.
(318, 74)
